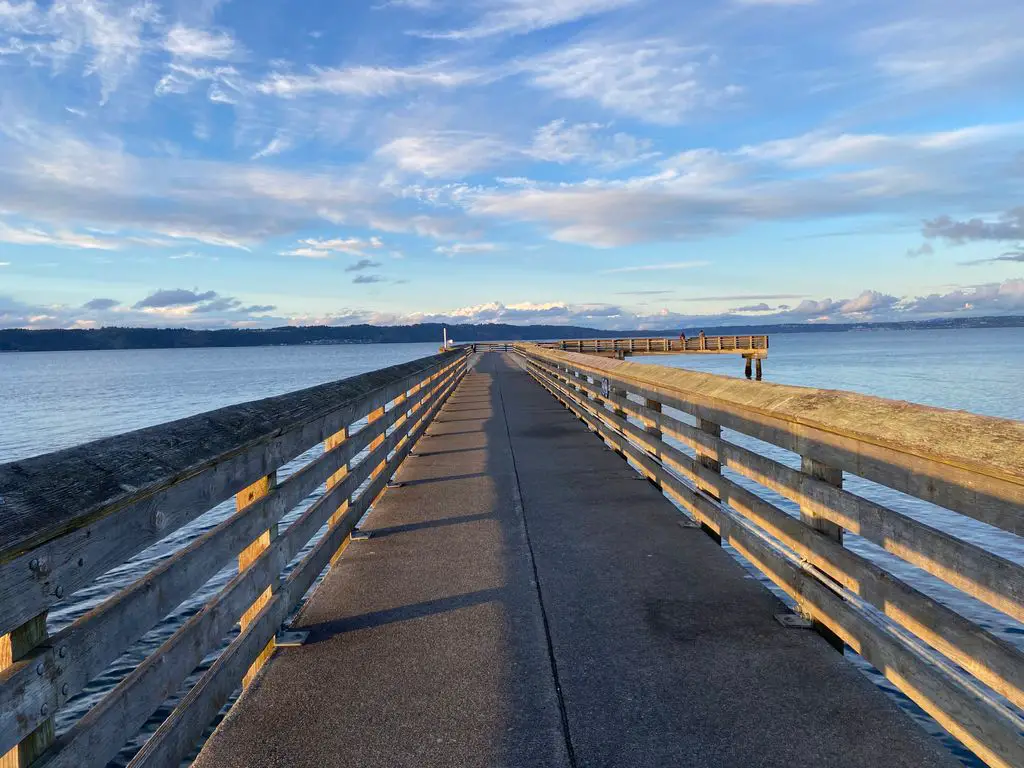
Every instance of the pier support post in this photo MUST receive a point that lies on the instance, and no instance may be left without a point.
(13, 647)
(832, 476)
(710, 462)
(757, 366)
(249, 496)
(747, 367)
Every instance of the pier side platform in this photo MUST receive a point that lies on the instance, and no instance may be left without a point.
(524, 598)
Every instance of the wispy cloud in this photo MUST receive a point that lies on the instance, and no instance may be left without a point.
(562, 142)
(746, 296)
(366, 81)
(656, 267)
(456, 249)
(656, 80)
(517, 17)
(188, 43)
(644, 293)
(445, 154)
(1011, 257)
(275, 146)
(362, 264)
(313, 248)
(59, 239)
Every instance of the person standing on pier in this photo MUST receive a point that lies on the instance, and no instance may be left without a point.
(702, 337)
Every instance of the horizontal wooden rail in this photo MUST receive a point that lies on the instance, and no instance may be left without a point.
(750, 345)
(270, 433)
(953, 668)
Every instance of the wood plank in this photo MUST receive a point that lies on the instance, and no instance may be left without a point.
(14, 646)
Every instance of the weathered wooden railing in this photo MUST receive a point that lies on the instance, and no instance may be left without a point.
(757, 345)
(969, 680)
(67, 518)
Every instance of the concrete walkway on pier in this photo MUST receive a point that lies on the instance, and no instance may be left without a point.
(526, 600)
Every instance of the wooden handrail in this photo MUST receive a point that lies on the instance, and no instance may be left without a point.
(268, 434)
(851, 598)
(971, 464)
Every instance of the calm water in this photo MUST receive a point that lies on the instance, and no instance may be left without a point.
(50, 401)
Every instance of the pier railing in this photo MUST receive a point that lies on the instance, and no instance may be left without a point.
(754, 345)
(968, 679)
(69, 517)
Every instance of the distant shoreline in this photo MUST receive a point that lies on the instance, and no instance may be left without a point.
(65, 340)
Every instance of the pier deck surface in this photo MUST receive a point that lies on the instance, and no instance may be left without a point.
(526, 600)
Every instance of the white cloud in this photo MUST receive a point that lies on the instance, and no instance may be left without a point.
(18, 16)
(277, 145)
(445, 154)
(111, 36)
(516, 17)
(562, 142)
(363, 81)
(946, 46)
(313, 248)
(226, 82)
(775, 2)
(820, 148)
(188, 43)
(456, 249)
(709, 191)
(656, 267)
(654, 80)
(59, 239)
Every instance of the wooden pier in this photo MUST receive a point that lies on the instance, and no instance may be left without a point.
(753, 349)
(538, 582)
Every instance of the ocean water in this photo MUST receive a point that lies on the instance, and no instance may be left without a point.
(50, 401)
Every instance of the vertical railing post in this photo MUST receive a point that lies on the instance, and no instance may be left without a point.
(398, 403)
(405, 416)
(827, 528)
(711, 462)
(651, 428)
(13, 647)
(331, 443)
(618, 391)
(376, 415)
(245, 498)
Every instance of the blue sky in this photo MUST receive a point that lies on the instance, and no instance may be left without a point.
(612, 163)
